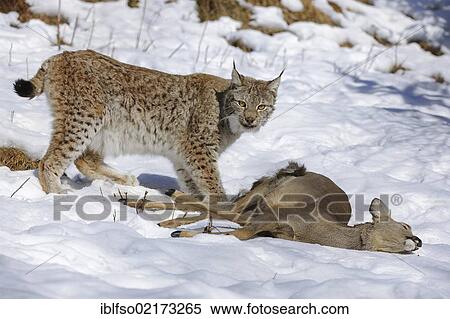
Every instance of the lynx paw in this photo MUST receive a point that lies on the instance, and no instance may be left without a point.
(129, 180)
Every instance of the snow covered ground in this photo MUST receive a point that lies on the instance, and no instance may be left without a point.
(372, 132)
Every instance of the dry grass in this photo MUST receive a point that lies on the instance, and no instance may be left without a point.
(397, 67)
(133, 3)
(213, 10)
(346, 44)
(439, 78)
(381, 40)
(238, 43)
(335, 7)
(309, 13)
(435, 50)
(16, 159)
(368, 2)
(95, 1)
(409, 15)
(25, 14)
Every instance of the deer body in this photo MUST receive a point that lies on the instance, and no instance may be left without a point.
(301, 206)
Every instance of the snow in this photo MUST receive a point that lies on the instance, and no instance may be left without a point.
(372, 132)
(271, 17)
(293, 5)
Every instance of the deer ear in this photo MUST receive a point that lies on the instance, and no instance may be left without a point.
(236, 78)
(275, 83)
(379, 211)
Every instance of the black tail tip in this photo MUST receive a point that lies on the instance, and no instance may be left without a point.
(24, 88)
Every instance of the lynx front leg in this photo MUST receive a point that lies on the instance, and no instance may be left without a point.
(201, 163)
(186, 182)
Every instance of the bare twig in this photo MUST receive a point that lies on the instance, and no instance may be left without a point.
(148, 46)
(92, 29)
(58, 22)
(75, 27)
(89, 12)
(10, 54)
(12, 116)
(138, 38)
(200, 42)
(19, 187)
(111, 38)
(176, 50)
(41, 35)
(206, 54)
(351, 70)
(225, 55)
(30, 271)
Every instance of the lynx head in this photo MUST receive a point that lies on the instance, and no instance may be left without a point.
(388, 235)
(250, 102)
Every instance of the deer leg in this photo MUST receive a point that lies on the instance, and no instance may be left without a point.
(274, 230)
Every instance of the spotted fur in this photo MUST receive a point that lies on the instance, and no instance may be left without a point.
(104, 107)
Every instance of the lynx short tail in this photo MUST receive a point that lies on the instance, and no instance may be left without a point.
(16, 159)
(32, 88)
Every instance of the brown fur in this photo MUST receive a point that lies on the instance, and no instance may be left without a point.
(16, 159)
(104, 107)
(289, 205)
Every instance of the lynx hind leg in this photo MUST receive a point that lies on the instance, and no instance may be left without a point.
(69, 140)
(91, 165)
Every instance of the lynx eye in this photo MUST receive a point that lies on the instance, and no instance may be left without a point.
(242, 104)
(262, 107)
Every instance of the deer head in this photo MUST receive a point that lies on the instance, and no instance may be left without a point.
(386, 234)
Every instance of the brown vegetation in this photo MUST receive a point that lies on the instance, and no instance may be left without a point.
(397, 67)
(368, 2)
(309, 13)
(435, 50)
(439, 78)
(335, 7)
(346, 44)
(380, 39)
(213, 10)
(238, 43)
(25, 13)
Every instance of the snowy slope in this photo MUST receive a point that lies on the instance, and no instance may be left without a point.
(372, 132)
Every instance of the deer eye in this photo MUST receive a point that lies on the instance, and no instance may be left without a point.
(407, 227)
(242, 104)
(262, 107)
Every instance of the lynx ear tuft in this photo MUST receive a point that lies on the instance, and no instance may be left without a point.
(236, 78)
(275, 83)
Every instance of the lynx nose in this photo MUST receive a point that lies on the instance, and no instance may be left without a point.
(417, 241)
(250, 120)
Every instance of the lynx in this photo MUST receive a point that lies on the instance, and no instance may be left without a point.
(104, 107)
